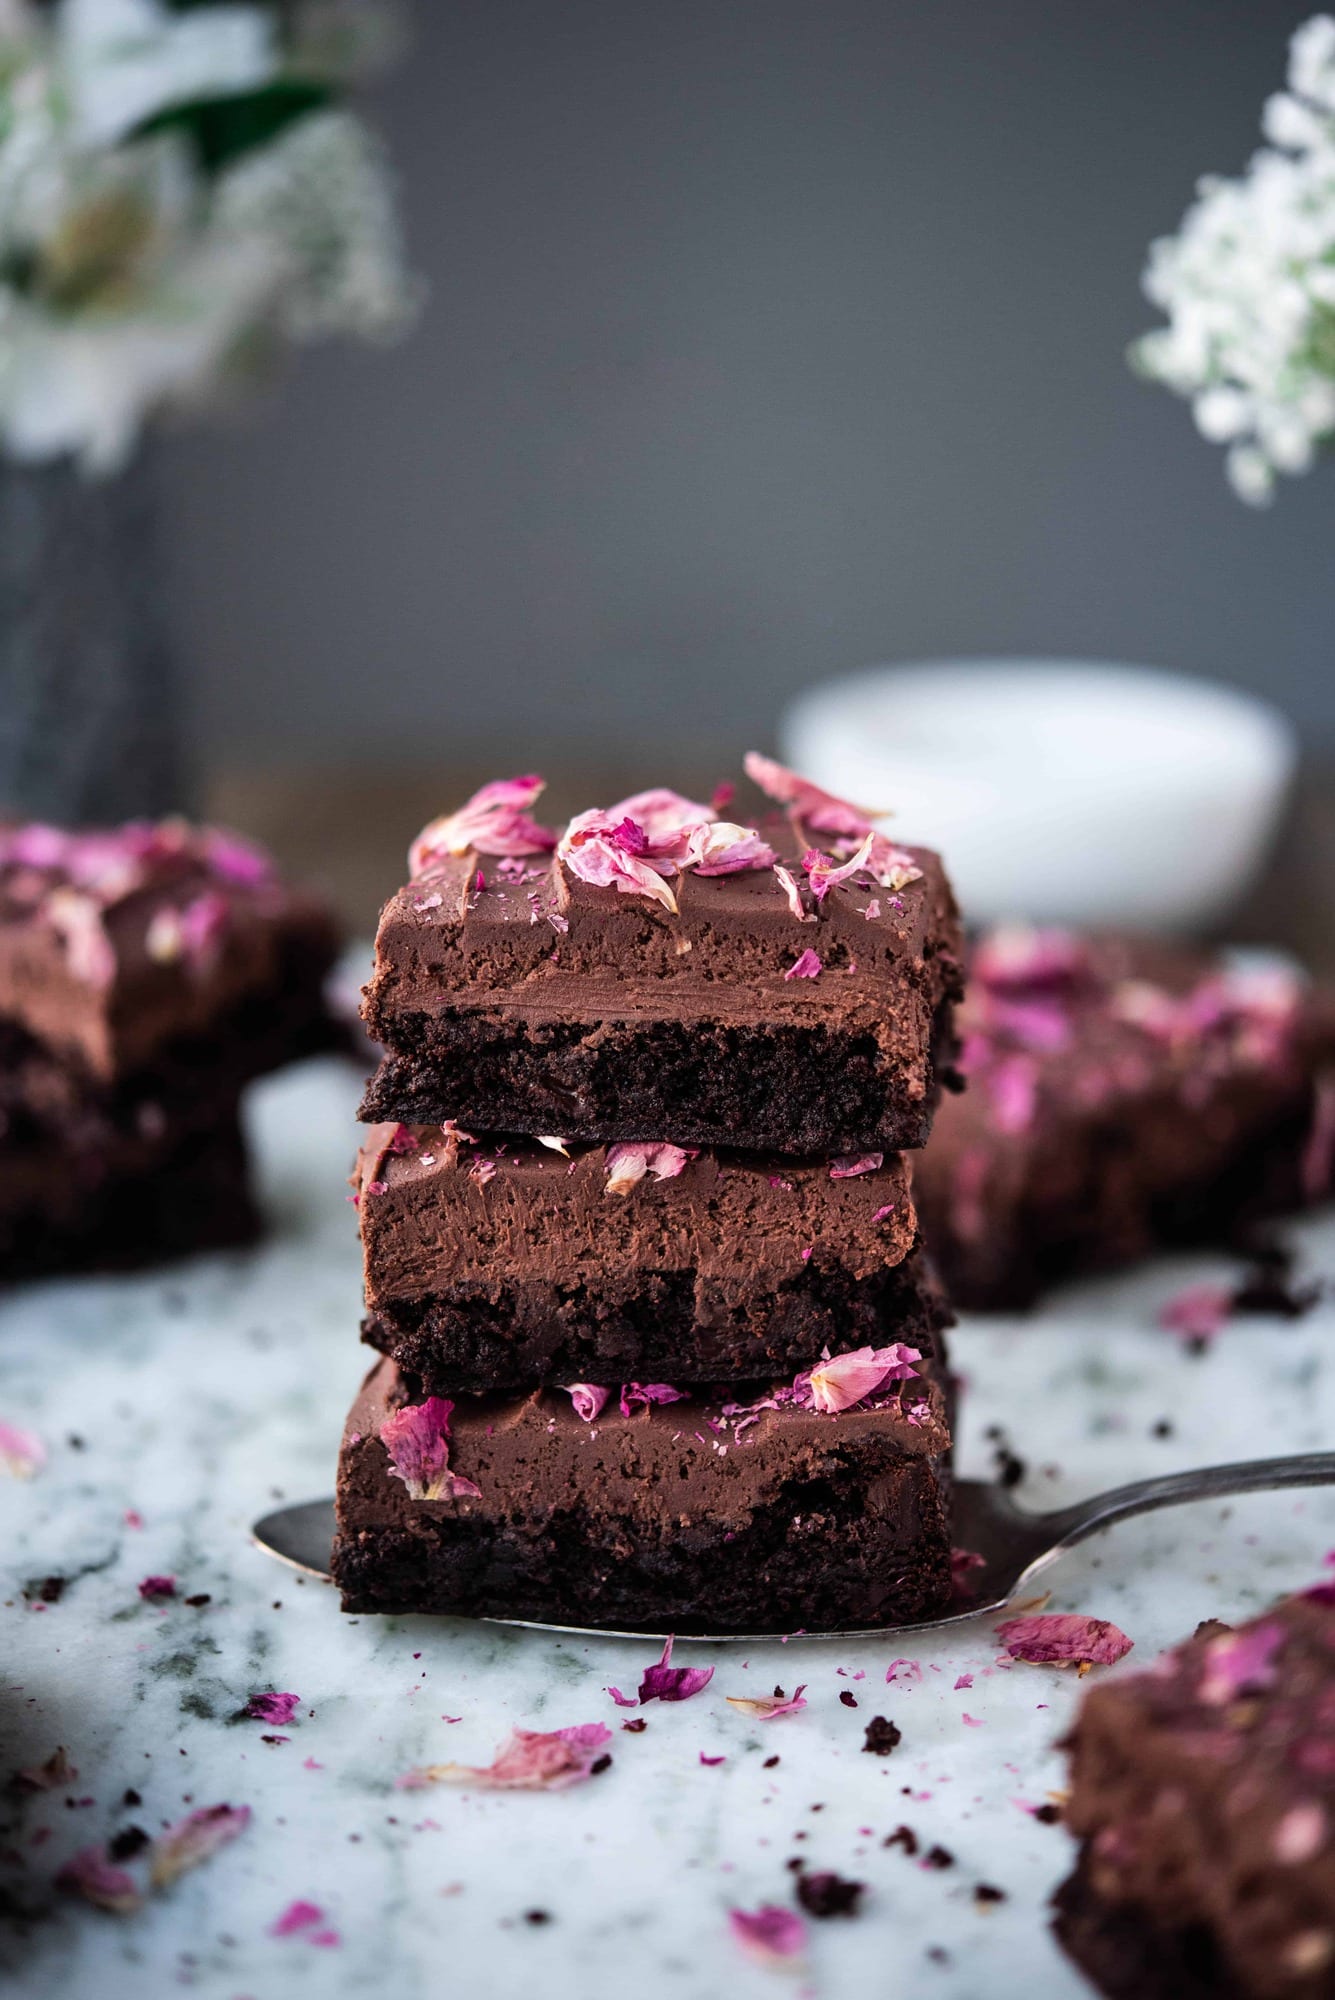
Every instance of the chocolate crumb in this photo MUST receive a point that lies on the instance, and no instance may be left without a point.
(1267, 1287)
(537, 1916)
(200, 1597)
(1050, 1815)
(938, 1857)
(849, 1700)
(129, 1841)
(938, 1954)
(881, 1736)
(1211, 1628)
(1163, 1429)
(600, 1763)
(131, 1798)
(45, 1589)
(829, 1895)
(635, 1725)
(987, 1892)
(903, 1836)
(795, 1862)
(770, 1762)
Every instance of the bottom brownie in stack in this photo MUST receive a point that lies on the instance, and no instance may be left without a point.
(816, 1504)
(1203, 1793)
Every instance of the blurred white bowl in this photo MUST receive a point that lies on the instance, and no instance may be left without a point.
(1066, 791)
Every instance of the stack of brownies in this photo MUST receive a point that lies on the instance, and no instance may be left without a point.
(661, 1350)
(147, 973)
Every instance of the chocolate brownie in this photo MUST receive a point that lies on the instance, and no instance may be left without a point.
(741, 1510)
(155, 951)
(500, 1263)
(122, 1199)
(1122, 1095)
(672, 977)
(1203, 1795)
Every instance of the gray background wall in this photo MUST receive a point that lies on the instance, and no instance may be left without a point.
(763, 340)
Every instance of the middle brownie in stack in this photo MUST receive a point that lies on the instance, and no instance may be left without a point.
(695, 1352)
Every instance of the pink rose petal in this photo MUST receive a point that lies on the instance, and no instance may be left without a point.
(1063, 1638)
(667, 821)
(848, 1166)
(1012, 1089)
(720, 848)
(194, 1839)
(236, 860)
(808, 966)
(1198, 1312)
(298, 1916)
(823, 874)
(1019, 955)
(624, 1165)
(532, 1760)
(99, 1881)
(766, 1708)
(51, 1776)
(77, 920)
(1239, 1663)
(788, 883)
(611, 854)
(22, 1453)
(417, 1440)
(588, 1399)
(623, 1700)
(838, 1382)
(771, 1935)
(893, 867)
(495, 821)
(664, 1682)
(273, 1707)
(154, 1588)
(821, 810)
(641, 1394)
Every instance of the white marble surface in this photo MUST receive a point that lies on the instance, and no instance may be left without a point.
(203, 1393)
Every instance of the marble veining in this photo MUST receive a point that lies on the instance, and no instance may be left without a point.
(179, 1405)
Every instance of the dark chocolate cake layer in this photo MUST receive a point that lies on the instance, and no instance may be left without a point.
(1121, 1096)
(500, 1263)
(697, 1514)
(1203, 1795)
(519, 997)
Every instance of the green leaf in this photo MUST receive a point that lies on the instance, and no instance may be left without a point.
(221, 129)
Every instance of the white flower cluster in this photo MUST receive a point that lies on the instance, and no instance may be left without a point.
(141, 267)
(1248, 285)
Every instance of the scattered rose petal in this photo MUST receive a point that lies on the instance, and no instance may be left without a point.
(821, 810)
(555, 1146)
(50, 1776)
(22, 1453)
(194, 1839)
(99, 1881)
(494, 821)
(711, 1760)
(807, 966)
(1063, 1638)
(417, 1440)
(1012, 1089)
(533, 1760)
(666, 820)
(839, 1381)
(962, 1563)
(664, 1682)
(298, 1916)
(1019, 955)
(587, 1397)
(720, 848)
(893, 867)
(154, 1588)
(765, 1708)
(641, 1394)
(1197, 1313)
(273, 1707)
(623, 1700)
(611, 854)
(788, 883)
(771, 1935)
(848, 1166)
(1239, 1663)
(823, 873)
(624, 1165)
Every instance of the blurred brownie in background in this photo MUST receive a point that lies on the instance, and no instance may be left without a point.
(147, 974)
(1122, 1095)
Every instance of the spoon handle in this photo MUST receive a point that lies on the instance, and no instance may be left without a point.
(1069, 1525)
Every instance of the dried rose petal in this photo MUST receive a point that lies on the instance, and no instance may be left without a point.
(788, 883)
(417, 1440)
(602, 851)
(808, 966)
(555, 1146)
(1019, 955)
(273, 1707)
(77, 920)
(1198, 1312)
(587, 1397)
(765, 1708)
(50, 1776)
(893, 867)
(623, 1700)
(154, 1588)
(847, 1166)
(644, 1393)
(962, 1564)
(838, 1382)
(720, 848)
(236, 860)
(1239, 1663)
(494, 821)
(99, 1881)
(298, 1916)
(194, 1839)
(664, 1682)
(771, 1934)
(1062, 1638)
(532, 1760)
(22, 1453)
(821, 810)
(666, 820)
(627, 1164)
(1012, 1089)
(822, 873)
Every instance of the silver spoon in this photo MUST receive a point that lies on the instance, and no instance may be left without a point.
(1015, 1546)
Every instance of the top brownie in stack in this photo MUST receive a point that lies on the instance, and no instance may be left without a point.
(788, 988)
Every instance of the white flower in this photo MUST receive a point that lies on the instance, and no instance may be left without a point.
(1248, 285)
(125, 60)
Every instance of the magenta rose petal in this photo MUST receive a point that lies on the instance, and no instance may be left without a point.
(664, 1682)
(768, 1707)
(532, 1760)
(99, 1881)
(771, 1934)
(1062, 1639)
(194, 1839)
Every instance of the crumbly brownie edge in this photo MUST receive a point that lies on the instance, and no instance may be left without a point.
(1129, 1957)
